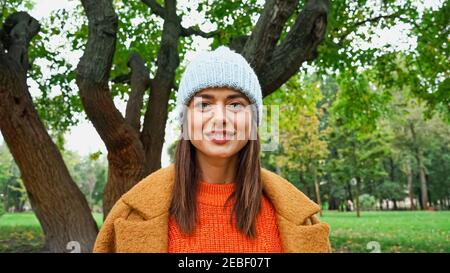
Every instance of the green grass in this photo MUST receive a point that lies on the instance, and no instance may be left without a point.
(399, 231)
(21, 232)
(394, 231)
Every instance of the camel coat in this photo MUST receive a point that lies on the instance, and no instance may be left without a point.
(138, 222)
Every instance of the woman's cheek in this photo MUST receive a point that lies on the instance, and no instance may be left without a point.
(195, 126)
(243, 125)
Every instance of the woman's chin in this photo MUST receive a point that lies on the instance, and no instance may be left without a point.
(219, 152)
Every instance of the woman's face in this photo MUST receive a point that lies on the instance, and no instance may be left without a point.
(219, 121)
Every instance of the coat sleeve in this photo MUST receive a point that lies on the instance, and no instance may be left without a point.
(105, 241)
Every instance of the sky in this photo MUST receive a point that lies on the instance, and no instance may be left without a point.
(84, 139)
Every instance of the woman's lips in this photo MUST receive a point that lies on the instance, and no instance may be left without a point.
(220, 141)
(220, 137)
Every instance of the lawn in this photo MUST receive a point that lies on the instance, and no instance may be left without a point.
(21, 232)
(392, 231)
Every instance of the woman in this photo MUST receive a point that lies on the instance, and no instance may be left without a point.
(215, 197)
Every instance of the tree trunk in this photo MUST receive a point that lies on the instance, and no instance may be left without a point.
(125, 150)
(391, 169)
(317, 189)
(423, 180)
(303, 182)
(409, 177)
(59, 205)
(357, 192)
(349, 191)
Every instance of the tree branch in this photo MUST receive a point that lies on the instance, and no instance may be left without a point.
(2, 38)
(237, 43)
(152, 135)
(195, 30)
(299, 45)
(155, 7)
(360, 23)
(93, 75)
(18, 30)
(125, 150)
(267, 31)
(140, 81)
(123, 79)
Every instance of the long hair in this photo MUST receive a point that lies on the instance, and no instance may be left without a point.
(247, 194)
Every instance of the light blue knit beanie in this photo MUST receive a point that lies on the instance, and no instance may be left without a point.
(219, 68)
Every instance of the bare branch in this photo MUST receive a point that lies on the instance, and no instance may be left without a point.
(155, 7)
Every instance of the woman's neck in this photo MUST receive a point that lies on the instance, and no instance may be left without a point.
(217, 170)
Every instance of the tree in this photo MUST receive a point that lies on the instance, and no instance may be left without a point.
(417, 140)
(358, 143)
(132, 152)
(136, 50)
(58, 203)
(302, 139)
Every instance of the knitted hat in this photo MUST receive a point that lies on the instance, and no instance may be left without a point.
(219, 68)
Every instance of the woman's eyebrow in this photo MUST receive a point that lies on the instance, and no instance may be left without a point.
(229, 97)
(234, 96)
(205, 96)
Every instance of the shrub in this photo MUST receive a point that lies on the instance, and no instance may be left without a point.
(367, 202)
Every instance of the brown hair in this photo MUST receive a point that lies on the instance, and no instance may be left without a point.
(248, 189)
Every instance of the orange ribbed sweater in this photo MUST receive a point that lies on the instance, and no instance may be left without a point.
(215, 233)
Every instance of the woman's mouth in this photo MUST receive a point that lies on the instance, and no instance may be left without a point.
(220, 137)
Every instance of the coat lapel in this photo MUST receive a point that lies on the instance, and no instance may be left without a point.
(299, 230)
(151, 200)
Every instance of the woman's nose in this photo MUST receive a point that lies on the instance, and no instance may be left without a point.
(220, 114)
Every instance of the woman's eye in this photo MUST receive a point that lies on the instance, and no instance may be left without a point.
(236, 106)
(202, 105)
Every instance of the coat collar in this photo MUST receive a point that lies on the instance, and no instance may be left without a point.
(152, 196)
